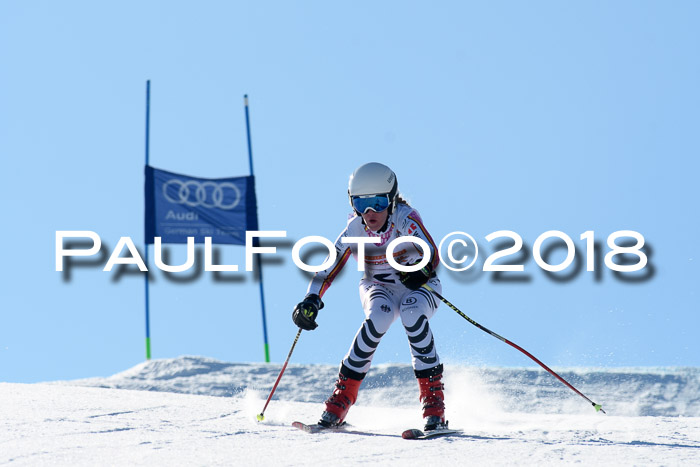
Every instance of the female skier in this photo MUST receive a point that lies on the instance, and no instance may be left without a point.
(385, 293)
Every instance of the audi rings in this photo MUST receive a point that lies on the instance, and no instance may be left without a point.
(222, 195)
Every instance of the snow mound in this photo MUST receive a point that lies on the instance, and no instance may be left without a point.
(469, 390)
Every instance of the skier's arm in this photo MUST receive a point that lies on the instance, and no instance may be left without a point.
(304, 314)
(323, 279)
(415, 227)
(415, 279)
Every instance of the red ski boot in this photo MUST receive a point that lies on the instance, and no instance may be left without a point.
(338, 405)
(432, 397)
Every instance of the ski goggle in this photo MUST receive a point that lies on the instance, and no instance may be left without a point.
(376, 203)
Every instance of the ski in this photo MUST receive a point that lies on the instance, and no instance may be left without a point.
(415, 433)
(316, 428)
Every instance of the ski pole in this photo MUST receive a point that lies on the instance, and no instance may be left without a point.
(597, 407)
(261, 415)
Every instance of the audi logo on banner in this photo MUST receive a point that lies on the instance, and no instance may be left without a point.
(222, 195)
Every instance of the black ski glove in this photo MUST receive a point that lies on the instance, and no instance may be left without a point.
(414, 279)
(304, 314)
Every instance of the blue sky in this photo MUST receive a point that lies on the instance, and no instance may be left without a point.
(512, 116)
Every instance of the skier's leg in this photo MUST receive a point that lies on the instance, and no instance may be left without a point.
(416, 308)
(380, 312)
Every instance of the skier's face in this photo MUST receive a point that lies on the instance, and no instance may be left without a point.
(375, 220)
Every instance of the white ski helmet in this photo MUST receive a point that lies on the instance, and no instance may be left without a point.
(373, 178)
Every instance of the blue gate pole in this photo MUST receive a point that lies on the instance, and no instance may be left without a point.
(258, 264)
(148, 318)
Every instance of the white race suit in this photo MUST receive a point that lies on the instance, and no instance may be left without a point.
(384, 298)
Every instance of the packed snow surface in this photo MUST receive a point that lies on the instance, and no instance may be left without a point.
(194, 410)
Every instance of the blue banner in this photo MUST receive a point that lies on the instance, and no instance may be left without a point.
(179, 206)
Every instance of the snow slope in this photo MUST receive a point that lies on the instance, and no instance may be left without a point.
(171, 412)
